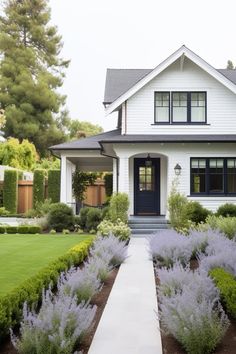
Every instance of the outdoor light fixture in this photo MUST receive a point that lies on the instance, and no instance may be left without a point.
(177, 169)
(148, 161)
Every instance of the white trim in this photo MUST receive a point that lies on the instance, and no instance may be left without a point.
(182, 51)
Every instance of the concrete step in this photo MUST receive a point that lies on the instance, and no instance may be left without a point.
(148, 226)
(147, 220)
(145, 231)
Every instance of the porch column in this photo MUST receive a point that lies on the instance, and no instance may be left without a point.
(124, 175)
(115, 176)
(63, 180)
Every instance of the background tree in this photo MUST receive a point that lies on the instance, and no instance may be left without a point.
(31, 71)
(230, 65)
(81, 129)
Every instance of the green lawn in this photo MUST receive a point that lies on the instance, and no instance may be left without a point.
(21, 256)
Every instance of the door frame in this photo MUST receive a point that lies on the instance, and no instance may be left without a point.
(157, 162)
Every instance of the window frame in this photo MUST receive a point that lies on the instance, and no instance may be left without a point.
(207, 177)
(155, 116)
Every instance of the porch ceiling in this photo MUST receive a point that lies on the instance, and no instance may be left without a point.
(100, 163)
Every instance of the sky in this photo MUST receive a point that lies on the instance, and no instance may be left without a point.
(101, 34)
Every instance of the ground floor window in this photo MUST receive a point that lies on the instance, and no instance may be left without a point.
(213, 176)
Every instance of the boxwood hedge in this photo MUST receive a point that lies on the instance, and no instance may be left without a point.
(10, 190)
(38, 186)
(54, 183)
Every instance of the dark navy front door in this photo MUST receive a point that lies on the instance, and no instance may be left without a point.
(146, 186)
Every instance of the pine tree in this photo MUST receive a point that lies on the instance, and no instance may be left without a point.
(31, 71)
(230, 65)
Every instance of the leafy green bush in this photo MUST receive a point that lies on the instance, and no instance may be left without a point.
(38, 186)
(80, 181)
(54, 185)
(119, 205)
(34, 229)
(11, 229)
(31, 290)
(61, 217)
(118, 229)
(225, 225)
(108, 180)
(2, 229)
(4, 212)
(227, 209)
(196, 212)
(40, 209)
(94, 217)
(226, 283)
(105, 212)
(10, 191)
(83, 217)
(23, 229)
(178, 208)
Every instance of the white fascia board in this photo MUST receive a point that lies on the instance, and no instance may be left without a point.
(167, 62)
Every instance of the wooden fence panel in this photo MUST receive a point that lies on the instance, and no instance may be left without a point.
(25, 196)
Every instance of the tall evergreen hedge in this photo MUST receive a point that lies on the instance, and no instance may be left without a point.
(10, 191)
(38, 186)
(54, 184)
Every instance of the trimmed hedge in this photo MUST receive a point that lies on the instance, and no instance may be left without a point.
(54, 185)
(10, 190)
(38, 186)
(61, 217)
(22, 229)
(227, 209)
(108, 180)
(31, 290)
(226, 283)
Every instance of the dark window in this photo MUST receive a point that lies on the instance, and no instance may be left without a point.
(213, 176)
(162, 107)
(179, 107)
(198, 107)
(146, 178)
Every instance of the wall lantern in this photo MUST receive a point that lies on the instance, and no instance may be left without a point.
(148, 161)
(177, 169)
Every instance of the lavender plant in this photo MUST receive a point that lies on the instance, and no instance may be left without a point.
(100, 266)
(57, 328)
(199, 239)
(168, 247)
(111, 249)
(84, 283)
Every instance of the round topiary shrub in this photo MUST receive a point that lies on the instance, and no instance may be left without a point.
(197, 213)
(227, 209)
(83, 217)
(94, 217)
(61, 217)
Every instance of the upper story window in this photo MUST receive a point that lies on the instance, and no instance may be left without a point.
(182, 107)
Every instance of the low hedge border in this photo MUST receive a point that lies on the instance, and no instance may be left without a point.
(11, 305)
(23, 229)
(226, 283)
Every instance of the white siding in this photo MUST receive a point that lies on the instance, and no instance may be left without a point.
(170, 155)
(221, 103)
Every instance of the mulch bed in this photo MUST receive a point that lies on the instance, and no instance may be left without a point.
(227, 345)
(99, 299)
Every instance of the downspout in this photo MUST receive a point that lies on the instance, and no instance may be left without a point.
(117, 165)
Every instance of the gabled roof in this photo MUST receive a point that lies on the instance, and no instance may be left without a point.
(117, 92)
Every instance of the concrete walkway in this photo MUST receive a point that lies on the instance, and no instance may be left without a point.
(129, 324)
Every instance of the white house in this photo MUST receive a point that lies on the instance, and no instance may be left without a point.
(178, 118)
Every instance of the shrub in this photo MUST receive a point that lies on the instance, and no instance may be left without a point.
(54, 183)
(118, 229)
(10, 191)
(94, 217)
(226, 283)
(119, 205)
(2, 229)
(196, 213)
(38, 186)
(83, 217)
(80, 181)
(11, 305)
(226, 225)
(4, 212)
(61, 217)
(23, 229)
(178, 208)
(57, 328)
(168, 247)
(108, 179)
(34, 229)
(52, 232)
(227, 209)
(100, 266)
(105, 212)
(12, 229)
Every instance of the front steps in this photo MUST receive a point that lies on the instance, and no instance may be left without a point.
(146, 225)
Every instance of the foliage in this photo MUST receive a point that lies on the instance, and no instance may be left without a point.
(177, 207)
(108, 180)
(2, 229)
(81, 129)
(227, 209)
(119, 205)
(54, 185)
(22, 229)
(57, 328)
(11, 305)
(84, 283)
(226, 225)
(19, 155)
(31, 73)
(38, 187)
(94, 217)
(169, 247)
(4, 211)
(49, 163)
(61, 217)
(118, 229)
(110, 249)
(226, 283)
(196, 213)
(82, 219)
(40, 209)
(100, 266)
(10, 191)
(80, 181)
